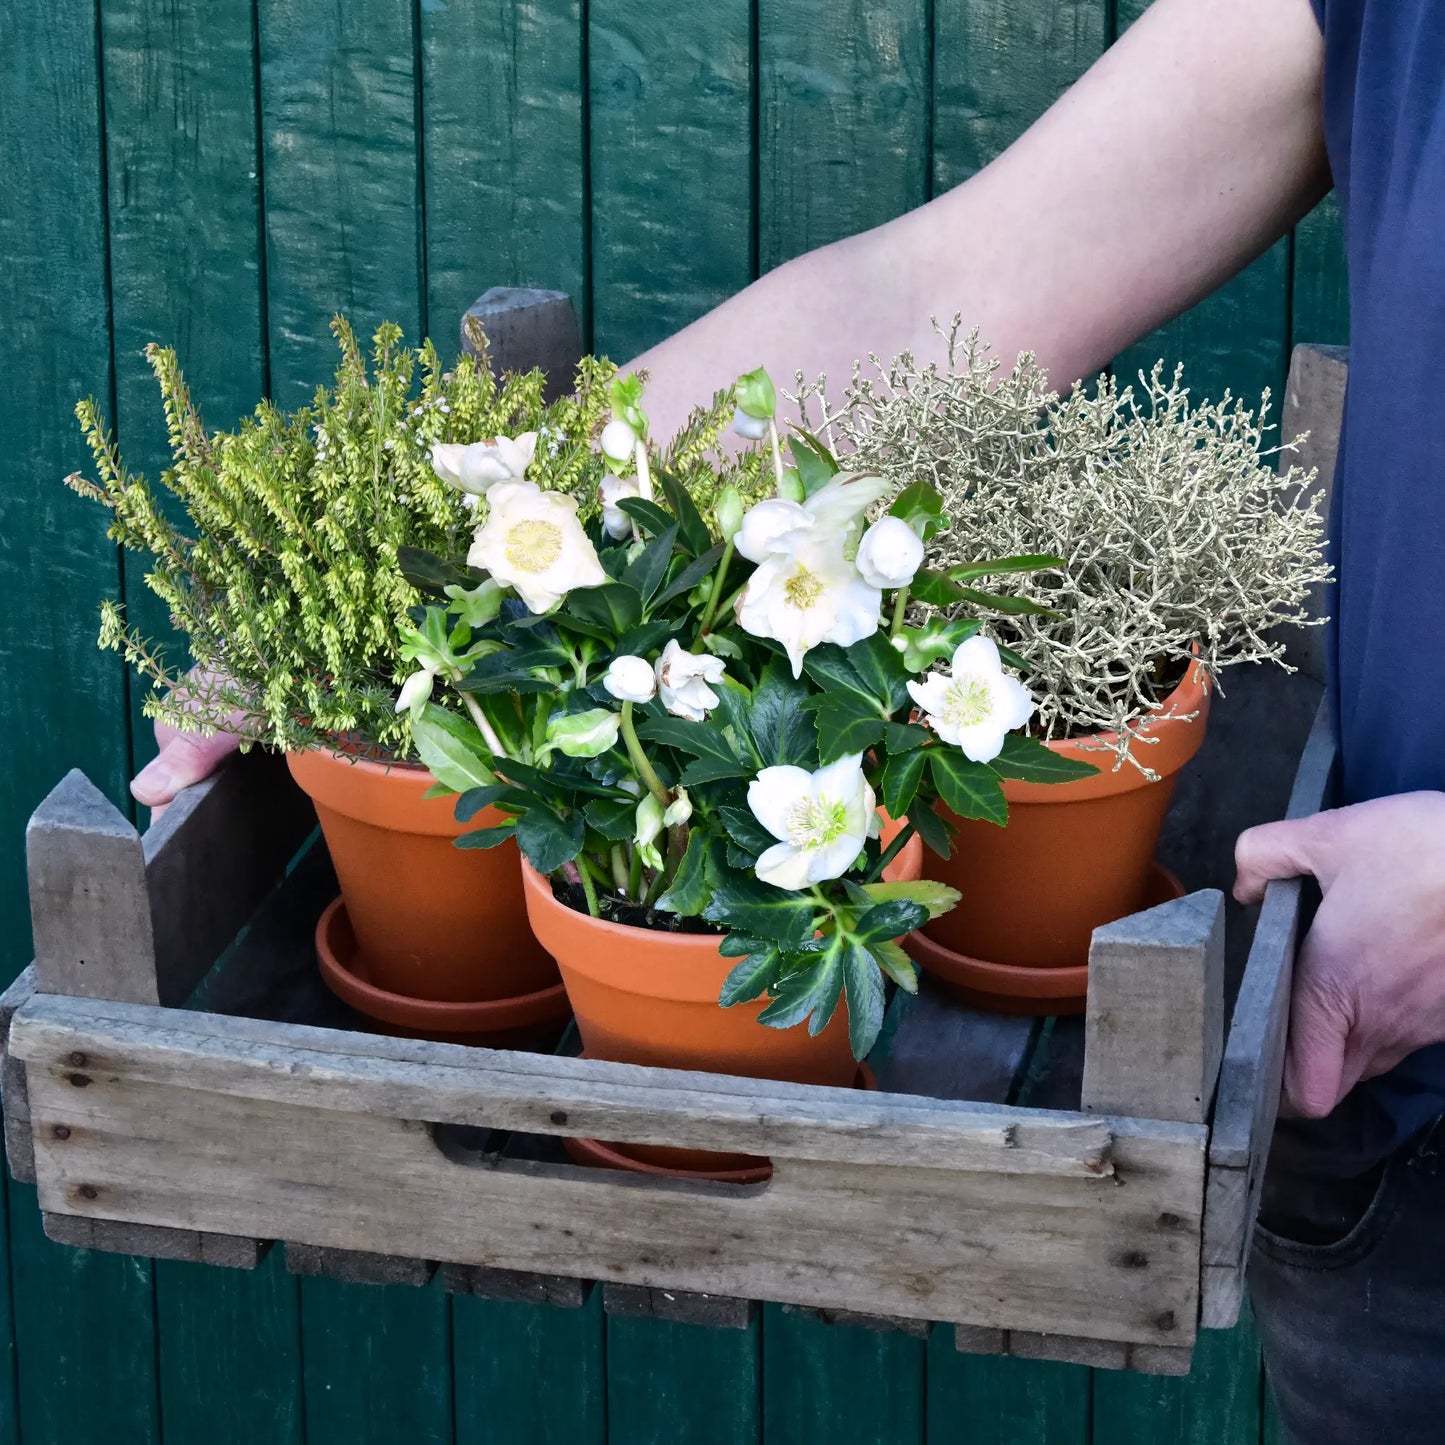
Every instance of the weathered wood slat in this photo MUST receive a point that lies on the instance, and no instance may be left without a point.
(636, 1301)
(526, 327)
(14, 1096)
(536, 1093)
(1072, 1350)
(354, 1266)
(1111, 1256)
(1155, 1016)
(518, 1286)
(190, 1246)
(1249, 1079)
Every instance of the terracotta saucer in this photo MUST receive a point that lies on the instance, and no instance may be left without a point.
(648, 1159)
(530, 1019)
(1010, 988)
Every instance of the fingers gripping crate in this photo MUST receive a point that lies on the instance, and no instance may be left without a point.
(177, 1082)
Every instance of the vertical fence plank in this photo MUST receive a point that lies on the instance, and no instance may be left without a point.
(671, 166)
(504, 154)
(994, 1400)
(828, 1382)
(997, 66)
(230, 1367)
(184, 208)
(377, 1364)
(843, 119)
(1218, 1403)
(529, 1374)
(343, 215)
(83, 1323)
(1236, 339)
(1321, 310)
(674, 1384)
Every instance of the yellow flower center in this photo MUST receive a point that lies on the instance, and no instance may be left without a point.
(967, 700)
(813, 824)
(803, 588)
(534, 545)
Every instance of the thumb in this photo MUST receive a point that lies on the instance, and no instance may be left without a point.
(1270, 851)
(183, 760)
(1314, 1065)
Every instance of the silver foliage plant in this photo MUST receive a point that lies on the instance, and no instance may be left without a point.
(1178, 532)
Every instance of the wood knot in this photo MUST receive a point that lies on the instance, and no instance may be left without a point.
(79, 1080)
(78, 1059)
(60, 1131)
(1134, 1259)
(88, 1191)
(558, 1116)
(1165, 1320)
(1168, 1220)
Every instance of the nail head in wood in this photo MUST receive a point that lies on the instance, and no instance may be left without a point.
(1154, 1029)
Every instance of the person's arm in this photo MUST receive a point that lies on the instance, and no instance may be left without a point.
(1186, 151)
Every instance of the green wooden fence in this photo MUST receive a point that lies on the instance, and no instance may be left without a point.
(224, 175)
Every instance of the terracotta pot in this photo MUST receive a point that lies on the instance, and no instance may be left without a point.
(431, 921)
(1073, 856)
(644, 997)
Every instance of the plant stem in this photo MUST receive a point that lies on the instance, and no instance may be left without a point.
(619, 870)
(644, 769)
(900, 611)
(588, 891)
(484, 726)
(890, 853)
(634, 874)
(709, 613)
(644, 472)
(777, 454)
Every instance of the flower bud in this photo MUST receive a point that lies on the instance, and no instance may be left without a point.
(630, 679)
(416, 692)
(619, 441)
(649, 825)
(679, 810)
(755, 394)
(729, 511)
(583, 734)
(612, 490)
(890, 553)
(754, 428)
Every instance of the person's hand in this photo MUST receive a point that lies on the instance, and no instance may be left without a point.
(184, 758)
(1369, 981)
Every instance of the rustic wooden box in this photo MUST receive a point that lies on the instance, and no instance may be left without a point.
(177, 1082)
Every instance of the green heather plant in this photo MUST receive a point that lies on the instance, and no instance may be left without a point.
(1177, 535)
(281, 571)
(688, 720)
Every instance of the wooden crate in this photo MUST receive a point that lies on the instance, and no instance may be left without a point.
(177, 1082)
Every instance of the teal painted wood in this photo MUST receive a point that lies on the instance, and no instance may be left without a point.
(377, 1364)
(529, 1374)
(183, 202)
(1218, 1403)
(504, 153)
(998, 66)
(994, 1400)
(824, 1383)
(843, 119)
(85, 1336)
(230, 1359)
(342, 181)
(671, 166)
(670, 1384)
(1321, 309)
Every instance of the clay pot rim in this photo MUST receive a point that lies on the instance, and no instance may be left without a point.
(1179, 739)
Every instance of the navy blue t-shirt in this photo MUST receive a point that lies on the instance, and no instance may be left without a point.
(1385, 129)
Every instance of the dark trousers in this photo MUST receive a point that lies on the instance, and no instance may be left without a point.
(1347, 1280)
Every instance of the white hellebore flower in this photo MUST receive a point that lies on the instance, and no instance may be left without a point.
(648, 825)
(618, 440)
(533, 542)
(477, 468)
(833, 511)
(416, 691)
(613, 490)
(683, 679)
(890, 553)
(630, 679)
(821, 820)
(978, 704)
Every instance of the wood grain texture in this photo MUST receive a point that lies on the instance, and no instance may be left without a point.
(351, 1266)
(504, 152)
(230, 1369)
(183, 201)
(343, 215)
(515, 1286)
(647, 1302)
(997, 66)
(119, 1237)
(527, 327)
(843, 119)
(14, 1096)
(1155, 1017)
(962, 1244)
(671, 168)
(830, 1382)
(529, 1374)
